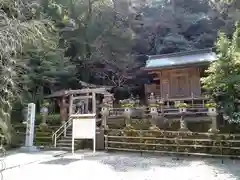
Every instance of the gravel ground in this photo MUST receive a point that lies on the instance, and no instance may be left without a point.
(116, 166)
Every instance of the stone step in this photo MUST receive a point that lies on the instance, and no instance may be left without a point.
(61, 144)
(64, 148)
(67, 137)
(63, 140)
(171, 110)
(65, 143)
(69, 134)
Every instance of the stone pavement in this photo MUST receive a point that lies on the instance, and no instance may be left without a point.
(16, 158)
(125, 166)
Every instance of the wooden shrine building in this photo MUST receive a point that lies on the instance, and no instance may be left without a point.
(177, 75)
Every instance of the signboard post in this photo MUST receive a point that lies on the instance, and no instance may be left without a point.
(30, 122)
(84, 127)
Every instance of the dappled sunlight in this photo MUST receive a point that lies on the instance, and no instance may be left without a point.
(127, 167)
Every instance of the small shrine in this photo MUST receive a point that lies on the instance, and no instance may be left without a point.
(177, 75)
(81, 101)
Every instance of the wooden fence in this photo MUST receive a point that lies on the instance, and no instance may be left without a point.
(174, 142)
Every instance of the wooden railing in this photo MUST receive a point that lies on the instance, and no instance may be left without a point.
(174, 142)
(167, 110)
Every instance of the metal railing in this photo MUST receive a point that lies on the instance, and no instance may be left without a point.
(61, 130)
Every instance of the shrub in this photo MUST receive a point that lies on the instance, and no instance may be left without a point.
(182, 105)
(211, 105)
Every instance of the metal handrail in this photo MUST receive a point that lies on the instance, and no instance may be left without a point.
(62, 129)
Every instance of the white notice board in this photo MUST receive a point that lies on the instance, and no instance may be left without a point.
(84, 128)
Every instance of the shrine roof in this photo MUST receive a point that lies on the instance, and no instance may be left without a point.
(66, 93)
(87, 88)
(181, 59)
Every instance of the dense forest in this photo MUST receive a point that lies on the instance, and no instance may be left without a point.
(47, 45)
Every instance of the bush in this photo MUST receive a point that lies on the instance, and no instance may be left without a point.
(182, 105)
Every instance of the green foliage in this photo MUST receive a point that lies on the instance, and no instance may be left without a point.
(211, 105)
(181, 26)
(45, 103)
(222, 82)
(49, 45)
(52, 119)
(21, 27)
(47, 67)
(182, 105)
(128, 105)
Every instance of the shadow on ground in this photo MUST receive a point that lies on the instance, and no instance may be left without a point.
(124, 162)
(60, 161)
(128, 162)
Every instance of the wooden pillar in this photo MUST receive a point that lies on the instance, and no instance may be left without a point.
(70, 105)
(160, 84)
(94, 102)
(86, 104)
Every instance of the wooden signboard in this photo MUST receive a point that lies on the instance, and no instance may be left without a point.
(84, 127)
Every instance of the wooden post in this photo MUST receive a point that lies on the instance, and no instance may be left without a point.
(168, 105)
(106, 141)
(70, 105)
(94, 103)
(192, 95)
(160, 82)
(86, 105)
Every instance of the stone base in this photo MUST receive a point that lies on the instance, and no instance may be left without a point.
(29, 149)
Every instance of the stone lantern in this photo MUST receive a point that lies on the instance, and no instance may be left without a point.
(154, 114)
(182, 107)
(127, 114)
(153, 107)
(183, 126)
(24, 113)
(161, 103)
(128, 105)
(213, 128)
(106, 104)
(212, 113)
(137, 100)
(152, 99)
(44, 112)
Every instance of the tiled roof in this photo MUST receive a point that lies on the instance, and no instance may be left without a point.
(182, 58)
